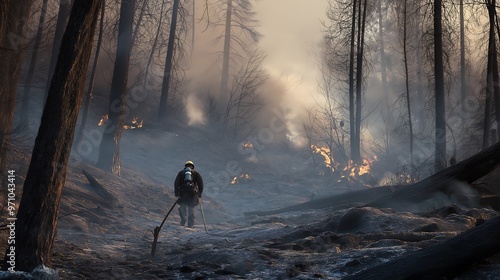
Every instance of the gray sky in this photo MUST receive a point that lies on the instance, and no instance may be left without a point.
(291, 32)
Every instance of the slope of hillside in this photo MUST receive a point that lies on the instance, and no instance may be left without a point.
(107, 233)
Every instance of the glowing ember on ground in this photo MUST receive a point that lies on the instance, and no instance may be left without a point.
(135, 124)
(103, 120)
(246, 146)
(243, 177)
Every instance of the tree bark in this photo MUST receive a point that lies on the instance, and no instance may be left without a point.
(162, 112)
(62, 19)
(36, 224)
(88, 98)
(407, 83)
(359, 79)
(445, 259)
(109, 150)
(226, 54)
(440, 129)
(463, 82)
(25, 108)
(12, 41)
(352, 121)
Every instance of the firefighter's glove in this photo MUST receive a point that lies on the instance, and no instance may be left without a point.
(199, 200)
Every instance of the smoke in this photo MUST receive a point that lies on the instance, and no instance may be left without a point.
(194, 110)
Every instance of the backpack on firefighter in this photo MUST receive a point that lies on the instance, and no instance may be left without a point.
(188, 186)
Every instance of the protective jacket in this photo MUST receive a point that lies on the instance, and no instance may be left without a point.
(188, 196)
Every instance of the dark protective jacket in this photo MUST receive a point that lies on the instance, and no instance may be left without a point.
(188, 197)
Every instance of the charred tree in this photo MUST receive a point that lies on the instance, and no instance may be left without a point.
(62, 19)
(441, 261)
(468, 170)
(31, 70)
(352, 121)
(88, 97)
(492, 56)
(463, 82)
(162, 111)
(227, 47)
(36, 224)
(440, 128)
(356, 154)
(12, 41)
(109, 150)
(407, 80)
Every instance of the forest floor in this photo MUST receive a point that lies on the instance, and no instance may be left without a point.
(108, 235)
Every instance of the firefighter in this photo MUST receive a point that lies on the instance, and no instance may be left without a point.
(188, 187)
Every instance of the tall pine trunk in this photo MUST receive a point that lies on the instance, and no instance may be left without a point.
(463, 83)
(109, 150)
(62, 19)
(352, 121)
(25, 108)
(490, 78)
(383, 67)
(36, 224)
(440, 130)
(226, 55)
(162, 111)
(88, 97)
(12, 41)
(359, 79)
(407, 81)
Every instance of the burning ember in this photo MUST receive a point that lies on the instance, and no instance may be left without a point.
(135, 123)
(103, 120)
(242, 178)
(246, 146)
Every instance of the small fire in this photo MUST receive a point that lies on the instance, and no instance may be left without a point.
(325, 152)
(135, 124)
(358, 172)
(103, 120)
(246, 146)
(243, 177)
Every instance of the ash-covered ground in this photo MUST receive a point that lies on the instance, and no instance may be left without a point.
(107, 234)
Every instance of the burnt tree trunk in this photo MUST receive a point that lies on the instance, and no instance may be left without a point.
(442, 260)
(88, 98)
(468, 170)
(109, 150)
(36, 224)
(12, 26)
(440, 129)
(62, 19)
(162, 111)
(25, 108)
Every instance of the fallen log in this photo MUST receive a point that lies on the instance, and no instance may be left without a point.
(441, 260)
(468, 170)
(348, 198)
(100, 190)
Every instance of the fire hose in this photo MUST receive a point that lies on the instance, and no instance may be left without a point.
(156, 231)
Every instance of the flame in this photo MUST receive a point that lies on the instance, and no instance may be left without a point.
(103, 120)
(135, 124)
(246, 146)
(325, 152)
(342, 171)
(243, 177)
(356, 170)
